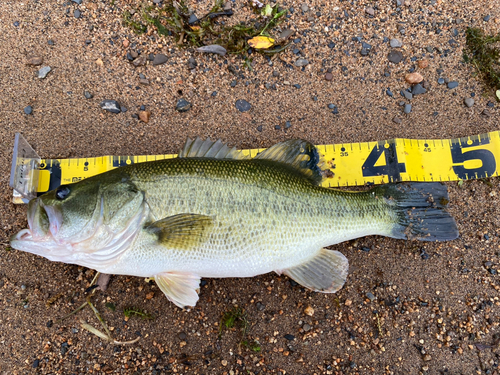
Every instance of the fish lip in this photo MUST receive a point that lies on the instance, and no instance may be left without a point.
(54, 217)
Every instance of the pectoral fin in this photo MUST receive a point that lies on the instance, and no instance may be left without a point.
(326, 272)
(183, 231)
(180, 288)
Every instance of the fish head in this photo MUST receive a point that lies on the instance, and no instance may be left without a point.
(76, 222)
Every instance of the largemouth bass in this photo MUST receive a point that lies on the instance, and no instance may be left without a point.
(213, 212)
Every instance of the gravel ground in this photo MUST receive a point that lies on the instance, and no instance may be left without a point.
(407, 307)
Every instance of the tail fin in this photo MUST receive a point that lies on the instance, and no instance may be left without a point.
(419, 208)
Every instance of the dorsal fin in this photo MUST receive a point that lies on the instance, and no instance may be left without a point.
(209, 149)
(299, 154)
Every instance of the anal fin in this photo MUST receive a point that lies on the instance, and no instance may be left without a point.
(326, 272)
(180, 288)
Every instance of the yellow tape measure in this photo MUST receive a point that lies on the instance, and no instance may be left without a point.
(350, 164)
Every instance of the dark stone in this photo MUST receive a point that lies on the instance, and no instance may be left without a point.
(242, 105)
(36, 362)
(87, 95)
(51, 42)
(259, 305)
(452, 84)
(49, 324)
(331, 45)
(486, 18)
(160, 59)
(395, 57)
(418, 89)
(233, 83)
(28, 110)
(277, 127)
(182, 336)
(389, 92)
(440, 81)
(192, 19)
(183, 105)
(110, 105)
(288, 124)
(192, 63)
(289, 337)
(142, 107)
(259, 128)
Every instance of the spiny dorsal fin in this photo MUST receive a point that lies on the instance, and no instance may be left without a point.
(210, 149)
(299, 154)
(183, 231)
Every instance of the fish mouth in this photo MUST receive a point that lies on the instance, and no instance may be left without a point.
(43, 220)
(43, 225)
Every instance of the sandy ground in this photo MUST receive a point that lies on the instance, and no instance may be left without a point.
(435, 308)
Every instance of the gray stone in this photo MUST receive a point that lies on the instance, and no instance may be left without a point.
(370, 296)
(370, 11)
(110, 105)
(183, 105)
(77, 13)
(42, 73)
(469, 102)
(140, 61)
(396, 120)
(486, 18)
(452, 84)
(407, 108)
(396, 43)
(440, 81)
(160, 59)
(192, 63)
(407, 95)
(77, 1)
(28, 110)
(87, 95)
(242, 105)
(395, 57)
(301, 62)
(285, 34)
(306, 327)
(418, 89)
(304, 7)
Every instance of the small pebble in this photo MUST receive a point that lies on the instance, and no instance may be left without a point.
(306, 327)
(408, 95)
(144, 116)
(182, 336)
(289, 337)
(34, 60)
(422, 64)
(35, 364)
(370, 11)
(418, 89)
(407, 108)
(42, 73)
(452, 84)
(396, 43)
(110, 105)
(77, 13)
(288, 124)
(242, 105)
(469, 102)
(301, 62)
(486, 113)
(486, 18)
(28, 110)
(309, 311)
(395, 57)
(50, 42)
(389, 92)
(440, 81)
(328, 76)
(396, 120)
(183, 105)
(370, 296)
(87, 95)
(160, 59)
(192, 64)
(304, 7)
(414, 78)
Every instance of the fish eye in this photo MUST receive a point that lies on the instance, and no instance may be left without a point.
(62, 192)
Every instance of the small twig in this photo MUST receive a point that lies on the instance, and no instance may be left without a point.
(72, 313)
(103, 323)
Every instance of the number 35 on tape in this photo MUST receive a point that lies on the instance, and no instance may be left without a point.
(348, 164)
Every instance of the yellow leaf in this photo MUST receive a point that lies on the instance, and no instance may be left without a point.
(195, 28)
(261, 42)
